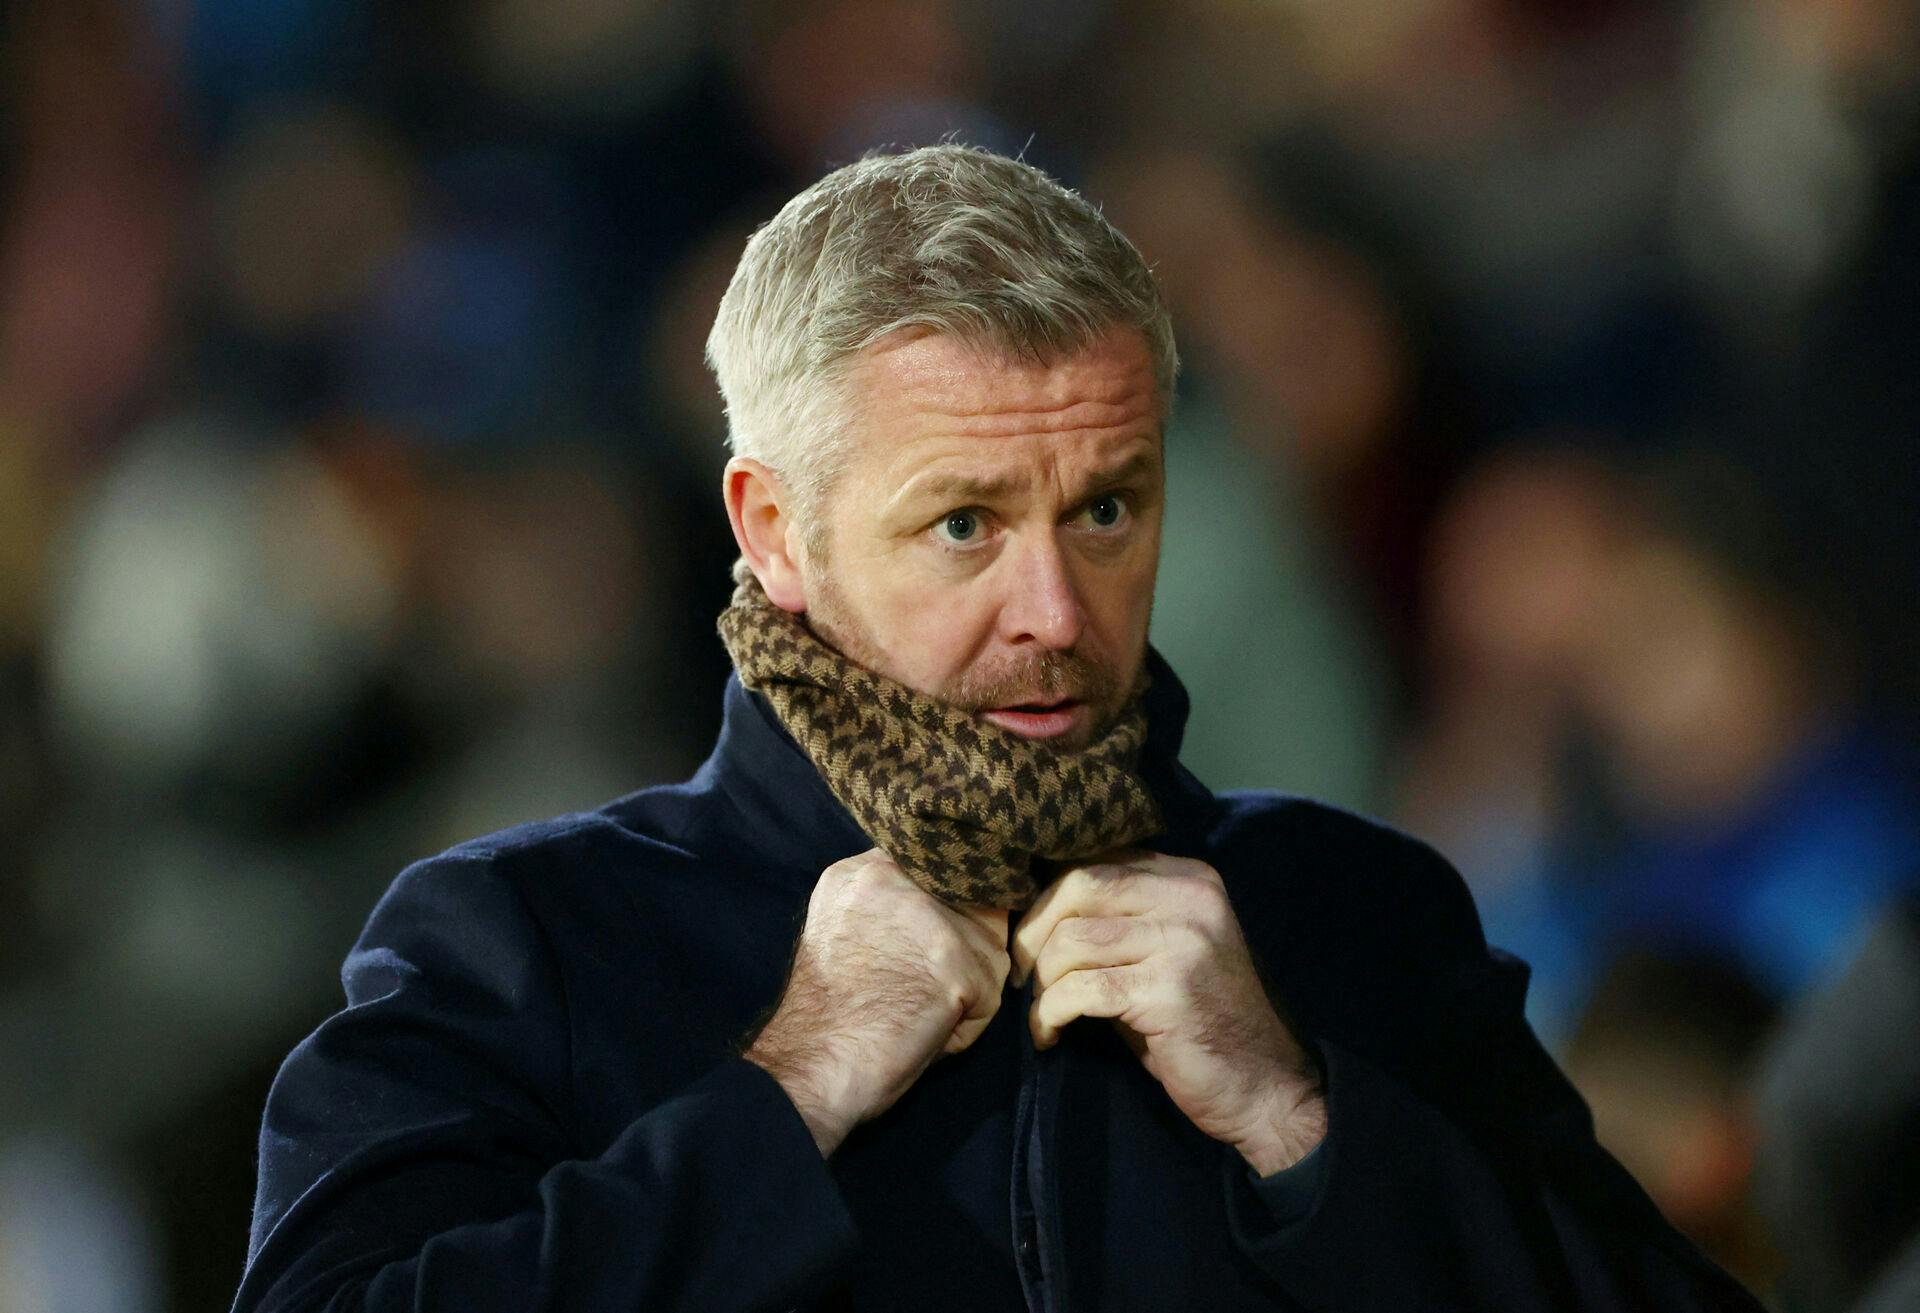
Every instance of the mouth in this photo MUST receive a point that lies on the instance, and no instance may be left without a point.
(1038, 720)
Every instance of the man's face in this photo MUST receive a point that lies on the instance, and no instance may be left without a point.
(994, 537)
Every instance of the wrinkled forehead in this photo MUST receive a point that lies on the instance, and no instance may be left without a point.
(925, 397)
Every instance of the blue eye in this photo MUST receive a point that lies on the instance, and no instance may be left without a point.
(1106, 512)
(959, 527)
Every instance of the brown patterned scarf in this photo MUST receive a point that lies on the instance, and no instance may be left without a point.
(961, 805)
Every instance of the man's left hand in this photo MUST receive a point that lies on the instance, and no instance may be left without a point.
(1151, 942)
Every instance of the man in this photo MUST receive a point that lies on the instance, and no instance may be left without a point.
(942, 985)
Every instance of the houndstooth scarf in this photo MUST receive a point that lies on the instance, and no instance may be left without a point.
(961, 805)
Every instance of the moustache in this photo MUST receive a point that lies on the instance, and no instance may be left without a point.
(1050, 677)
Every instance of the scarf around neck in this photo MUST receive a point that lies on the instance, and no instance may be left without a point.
(962, 806)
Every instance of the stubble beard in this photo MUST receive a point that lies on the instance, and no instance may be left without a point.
(1050, 675)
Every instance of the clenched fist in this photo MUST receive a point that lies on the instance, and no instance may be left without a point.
(1152, 942)
(886, 978)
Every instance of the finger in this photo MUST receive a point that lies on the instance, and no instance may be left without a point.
(986, 936)
(1143, 859)
(1080, 891)
(1093, 992)
(981, 978)
(981, 992)
(1097, 941)
(874, 864)
(862, 879)
(964, 1034)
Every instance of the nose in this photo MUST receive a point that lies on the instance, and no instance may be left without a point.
(1042, 604)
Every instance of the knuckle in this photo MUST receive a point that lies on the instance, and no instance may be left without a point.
(1209, 903)
(950, 958)
(848, 867)
(874, 865)
(889, 887)
(916, 918)
(1189, 947)
(940, 957)
(1189, 868)
(1187, 934)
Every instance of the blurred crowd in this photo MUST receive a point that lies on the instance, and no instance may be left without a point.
(1543, 480)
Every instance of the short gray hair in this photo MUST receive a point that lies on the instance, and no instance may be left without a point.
(950, 238)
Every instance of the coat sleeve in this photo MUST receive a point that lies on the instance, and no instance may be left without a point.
(1460, 1168)
(415, 1153)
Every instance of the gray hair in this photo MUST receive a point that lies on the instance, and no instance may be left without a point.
(949, 238)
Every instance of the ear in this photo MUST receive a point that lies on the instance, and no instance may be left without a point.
(765, 529)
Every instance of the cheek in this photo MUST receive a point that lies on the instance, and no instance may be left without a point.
(932, 630)
(1119, 600)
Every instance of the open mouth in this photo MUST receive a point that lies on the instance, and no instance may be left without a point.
(1037, 720)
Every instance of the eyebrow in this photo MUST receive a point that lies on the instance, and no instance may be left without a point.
(954, 488)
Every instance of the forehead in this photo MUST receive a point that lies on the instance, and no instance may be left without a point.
(932, 397)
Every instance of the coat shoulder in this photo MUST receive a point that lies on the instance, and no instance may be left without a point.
(564, 882)
(631, 836)
(1348, 875)
(1373, 940)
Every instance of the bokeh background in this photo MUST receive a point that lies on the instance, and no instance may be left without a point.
(1543, 480)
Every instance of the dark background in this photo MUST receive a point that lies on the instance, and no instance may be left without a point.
(1542, 480)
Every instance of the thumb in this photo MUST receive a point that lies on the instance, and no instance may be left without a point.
(964, 1035)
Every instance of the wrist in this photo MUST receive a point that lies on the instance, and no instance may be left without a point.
(1293, 1125)
(828, 1122)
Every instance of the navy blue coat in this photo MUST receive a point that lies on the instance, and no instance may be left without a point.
(534, 1097)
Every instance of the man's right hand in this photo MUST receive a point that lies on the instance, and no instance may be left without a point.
(885, 979)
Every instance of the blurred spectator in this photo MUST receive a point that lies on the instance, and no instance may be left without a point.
(89, 243)
(218, 606)
(72, 1239)
(1293, 376)
(357, 469)
(1516, 565)
(1242, 570)
(1840, 1132)
(1310, 350)
(1761, 812)
(1840, 449)
(1797, 106)
(1645, 741)
(830, 79)
(1664, 1054)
